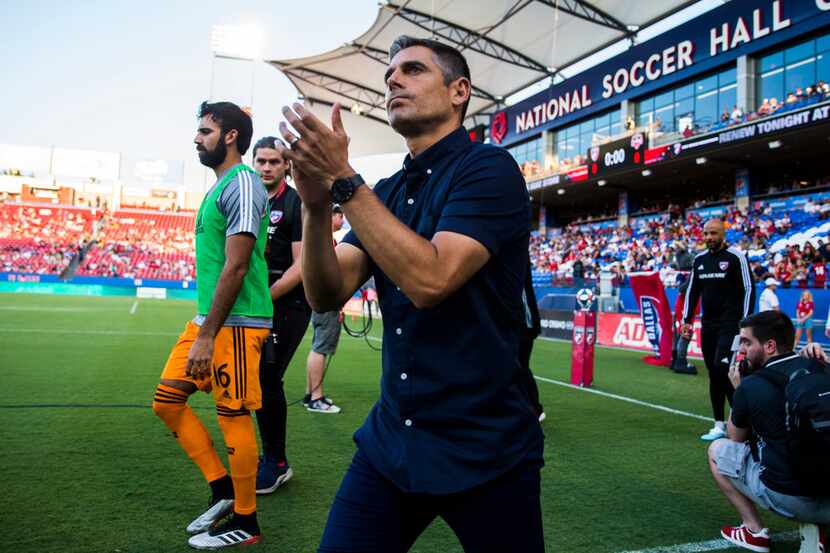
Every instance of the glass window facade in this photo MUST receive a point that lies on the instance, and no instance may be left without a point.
(792, 68)
(528, 152)
(576, 139)
(700, 102)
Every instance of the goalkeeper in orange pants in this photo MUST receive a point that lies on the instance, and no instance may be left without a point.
(219, 350)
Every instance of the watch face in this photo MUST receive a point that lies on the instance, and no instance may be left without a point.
(343, 189)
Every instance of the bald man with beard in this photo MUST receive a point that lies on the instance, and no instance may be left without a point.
(721, 276)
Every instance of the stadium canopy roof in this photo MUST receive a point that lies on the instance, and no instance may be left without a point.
(509, 44)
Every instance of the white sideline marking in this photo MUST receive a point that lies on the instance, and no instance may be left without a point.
(104, 332)
(710, 545)
(612, 396)
(51, 309)
(134, 307)
(624, 398)
(614, 348)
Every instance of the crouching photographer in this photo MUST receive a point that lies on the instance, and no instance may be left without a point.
(778, 446)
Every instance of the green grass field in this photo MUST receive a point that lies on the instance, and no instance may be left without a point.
(87, 467)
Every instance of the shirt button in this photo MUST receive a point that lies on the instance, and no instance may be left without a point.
(410, 201)
(398, 331)
(408, 422)
(403, 376)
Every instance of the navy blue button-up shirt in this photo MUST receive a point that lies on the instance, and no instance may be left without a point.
(452, 413)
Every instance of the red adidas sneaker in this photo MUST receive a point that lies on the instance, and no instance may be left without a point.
(743, 537)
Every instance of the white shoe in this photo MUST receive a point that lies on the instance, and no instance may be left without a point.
(323, 405)
(216, 511)
(542, 416)
(715, 433)
(227, 534)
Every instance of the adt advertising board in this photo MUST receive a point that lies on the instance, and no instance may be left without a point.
(627, 331)
(704, 43)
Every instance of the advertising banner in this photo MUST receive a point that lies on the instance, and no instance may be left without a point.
(706, 42)
(656, 315)
(557, 323)
(623, 330)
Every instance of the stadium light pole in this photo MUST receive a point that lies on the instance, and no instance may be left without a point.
(235, 42)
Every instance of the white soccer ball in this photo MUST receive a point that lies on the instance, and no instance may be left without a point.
(584, 298)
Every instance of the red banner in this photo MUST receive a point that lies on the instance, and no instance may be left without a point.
(656, 315)
(624, 330)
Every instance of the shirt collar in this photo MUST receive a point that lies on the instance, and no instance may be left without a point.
(780, 357)
(424, 162)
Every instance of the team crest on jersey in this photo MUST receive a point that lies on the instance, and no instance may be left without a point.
(723, 265)
(276, 216)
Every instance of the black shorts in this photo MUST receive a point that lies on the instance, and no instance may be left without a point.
(716, 342)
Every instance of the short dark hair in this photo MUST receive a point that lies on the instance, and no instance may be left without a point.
(772, 325)
(268, 142)
(453, 64)
(230, 116)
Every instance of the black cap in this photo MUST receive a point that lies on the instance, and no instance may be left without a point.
(336, 209)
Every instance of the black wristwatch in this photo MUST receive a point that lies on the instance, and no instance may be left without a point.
(342, 190)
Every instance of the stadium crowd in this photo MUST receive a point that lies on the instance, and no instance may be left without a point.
(41, 240)
(668, 240)
(125, 243)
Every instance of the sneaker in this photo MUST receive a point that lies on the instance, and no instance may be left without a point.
(270, 475)
(743, 537)
(323, 405)
(542, 416)
(715, 433)
(217, 510)
(306, 400)
(228, 534)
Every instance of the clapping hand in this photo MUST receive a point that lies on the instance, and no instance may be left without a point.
(318, 154)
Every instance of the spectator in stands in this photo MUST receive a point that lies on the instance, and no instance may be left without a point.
(724, 117)
(818, 272)
(764, 108)
(687, 132)
(804, 317)
(801, 274)
(758, 422)
(809, 254)
(791, 99)
(774, 105)
(769, 300)
(737, 114)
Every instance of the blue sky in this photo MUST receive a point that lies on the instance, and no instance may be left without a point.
(128, 76)
(118, 76)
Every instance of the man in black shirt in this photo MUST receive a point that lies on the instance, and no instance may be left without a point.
(291, 311)
(453, 434)
(754, 465)
(722, 277)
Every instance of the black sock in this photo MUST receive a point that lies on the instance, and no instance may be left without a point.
(247, 522)
(222, 488)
